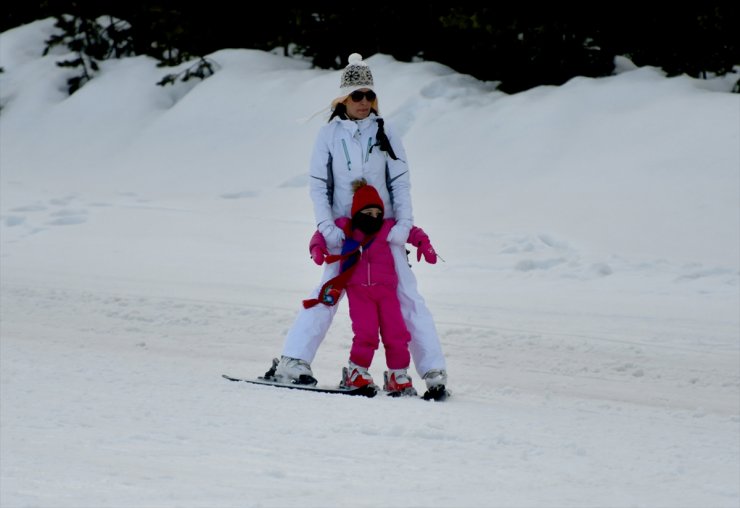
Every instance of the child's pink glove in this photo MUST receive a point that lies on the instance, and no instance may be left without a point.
(318, 254)
(426, 249)
(317, 248)
(419, 238)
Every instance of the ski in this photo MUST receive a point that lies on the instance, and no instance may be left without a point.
(437, 395)
(365, 391)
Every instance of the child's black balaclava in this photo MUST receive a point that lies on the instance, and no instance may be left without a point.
(366, 196)
(367, 223)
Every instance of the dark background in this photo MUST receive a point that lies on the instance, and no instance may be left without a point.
(521, 44)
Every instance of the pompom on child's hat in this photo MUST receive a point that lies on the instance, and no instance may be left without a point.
(355, 76)
(366, 196)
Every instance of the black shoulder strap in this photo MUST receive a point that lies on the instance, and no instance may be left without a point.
(330, 180)
(389, 181)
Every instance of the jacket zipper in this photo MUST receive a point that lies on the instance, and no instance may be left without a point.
(346, 155)
(367, 153)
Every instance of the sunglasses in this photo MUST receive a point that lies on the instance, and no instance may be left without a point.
(357, 95)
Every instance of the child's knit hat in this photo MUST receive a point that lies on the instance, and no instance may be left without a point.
(366, 196)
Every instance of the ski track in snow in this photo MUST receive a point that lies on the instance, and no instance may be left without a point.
(128, 389)
(548, 407)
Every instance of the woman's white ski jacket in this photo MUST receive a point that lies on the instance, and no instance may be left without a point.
(346, 150)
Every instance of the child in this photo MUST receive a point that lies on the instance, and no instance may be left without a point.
(369, 276)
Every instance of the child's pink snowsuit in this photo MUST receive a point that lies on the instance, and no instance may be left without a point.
(373, 303)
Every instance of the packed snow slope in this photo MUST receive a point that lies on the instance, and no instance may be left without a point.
(154, 238)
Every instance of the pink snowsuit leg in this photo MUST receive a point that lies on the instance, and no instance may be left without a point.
(374, 308)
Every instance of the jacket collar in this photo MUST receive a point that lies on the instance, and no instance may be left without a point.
(354, 125)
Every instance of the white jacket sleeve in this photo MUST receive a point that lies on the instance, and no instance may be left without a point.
(399, 182)
(321, 179)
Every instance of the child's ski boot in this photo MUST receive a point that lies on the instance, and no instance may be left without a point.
(356, 376)
(398, 383)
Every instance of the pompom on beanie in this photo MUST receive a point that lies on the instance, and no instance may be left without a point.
(366, 196)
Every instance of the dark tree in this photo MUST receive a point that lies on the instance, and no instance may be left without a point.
(521, 45)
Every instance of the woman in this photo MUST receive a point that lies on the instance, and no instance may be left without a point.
(355, 144)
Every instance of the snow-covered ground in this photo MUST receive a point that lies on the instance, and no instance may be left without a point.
(154, 238)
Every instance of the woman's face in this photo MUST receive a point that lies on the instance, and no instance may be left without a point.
(357, 110)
